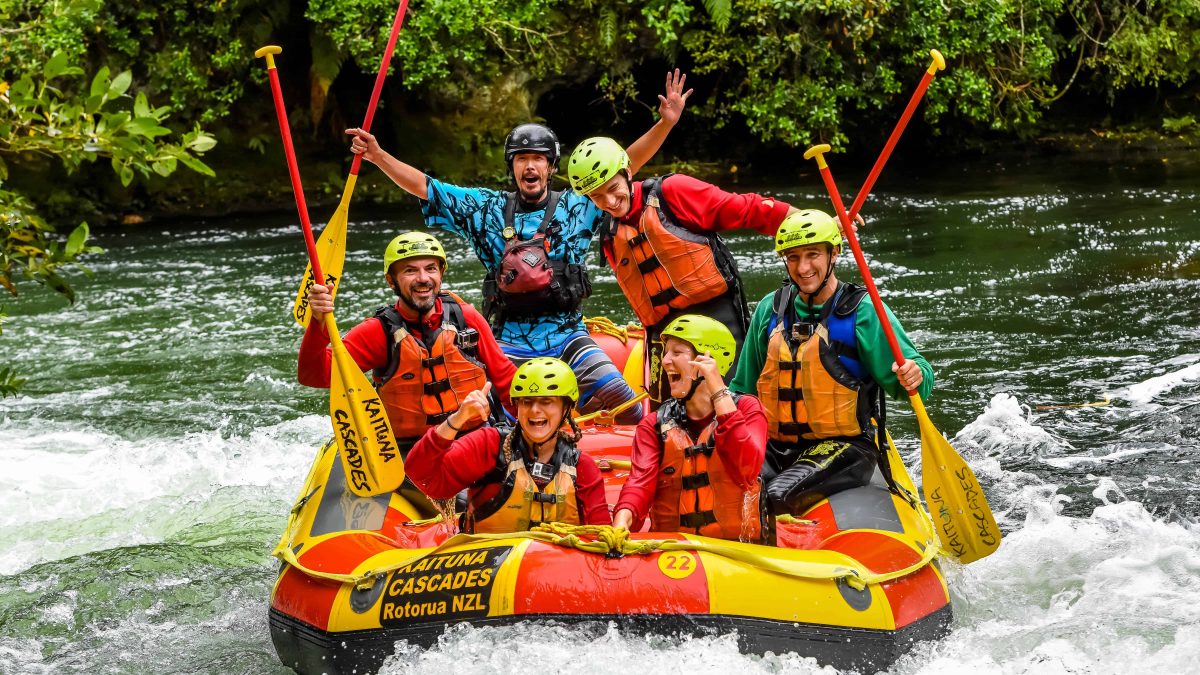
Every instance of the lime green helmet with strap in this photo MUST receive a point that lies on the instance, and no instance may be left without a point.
(705, 335)
(807, 227)
(413, 245)
(544, 376)
(594, 162)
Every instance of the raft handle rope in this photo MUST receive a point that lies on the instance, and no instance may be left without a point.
(615, 542)
(608, 418)
(605, 325)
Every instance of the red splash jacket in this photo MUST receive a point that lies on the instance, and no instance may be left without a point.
(368, 346)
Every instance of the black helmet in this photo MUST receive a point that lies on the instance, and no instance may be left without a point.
(531, 138)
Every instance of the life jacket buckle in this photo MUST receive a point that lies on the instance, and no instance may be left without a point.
(802, 330)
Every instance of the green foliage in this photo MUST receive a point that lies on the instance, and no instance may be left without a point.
(195, 55)
(28, 251)
(791, 71)
(1180, 125)
(10, 384)
(1139, 42)
(50, 114)
(46, 117)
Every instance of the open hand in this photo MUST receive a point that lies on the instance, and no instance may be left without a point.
(670, 107)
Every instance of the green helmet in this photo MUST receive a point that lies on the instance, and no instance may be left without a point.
(807, 227)
(594, 162)
(544, 376)
(705, 335)
(413, 245)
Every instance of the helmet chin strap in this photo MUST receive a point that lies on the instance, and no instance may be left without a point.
(696, 382)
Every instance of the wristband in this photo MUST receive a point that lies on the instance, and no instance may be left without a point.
(451, 425)
(722, 393)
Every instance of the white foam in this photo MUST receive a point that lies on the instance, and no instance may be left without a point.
(490, 650)
(1006, 429)
(1111, 593)
(70, 491)
(1146, 391)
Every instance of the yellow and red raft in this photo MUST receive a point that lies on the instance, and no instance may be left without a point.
(853, 582)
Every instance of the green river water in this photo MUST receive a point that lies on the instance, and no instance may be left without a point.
(150, 461)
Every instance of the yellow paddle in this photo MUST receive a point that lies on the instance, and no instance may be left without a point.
(965, 523)
(370, 458)
(331, 247)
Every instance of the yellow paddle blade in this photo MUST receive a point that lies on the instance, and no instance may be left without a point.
(960, 510)
(370, 457)
(331, 251)
(635, 366)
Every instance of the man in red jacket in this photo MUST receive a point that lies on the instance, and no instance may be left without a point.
(661, 239)
(426, 353)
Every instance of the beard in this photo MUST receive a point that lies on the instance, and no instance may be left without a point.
(419, 307)
(532, 197)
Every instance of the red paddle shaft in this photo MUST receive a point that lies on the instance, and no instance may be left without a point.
(848, 234)
(939, 63)
(285, 132)
(379, 78)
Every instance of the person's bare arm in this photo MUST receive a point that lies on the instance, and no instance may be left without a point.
(670, 108)
(411, 179)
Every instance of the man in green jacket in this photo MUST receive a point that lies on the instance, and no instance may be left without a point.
(817, 357)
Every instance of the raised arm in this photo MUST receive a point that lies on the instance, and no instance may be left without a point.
(411, 179)
(670, 108)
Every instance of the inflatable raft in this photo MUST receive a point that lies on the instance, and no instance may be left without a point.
(853, 582)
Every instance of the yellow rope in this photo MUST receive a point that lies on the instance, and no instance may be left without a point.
(608, 417)
(1095, 404)
(606, 540)
(603, 324)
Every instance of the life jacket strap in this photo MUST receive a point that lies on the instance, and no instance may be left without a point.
(794, 429)
(437, 418)
(649, 265)
(699, 449)
(545, 497)
(696, 481)
(697, 519)
(789, 394)
(665, 297)
(439, 360)
(438, 387)
(637, 239)
(842, 349)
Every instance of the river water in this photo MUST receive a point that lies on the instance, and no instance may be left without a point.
(151, 459)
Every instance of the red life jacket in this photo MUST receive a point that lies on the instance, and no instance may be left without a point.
(695, 493)
(662, 266)
(424, 381)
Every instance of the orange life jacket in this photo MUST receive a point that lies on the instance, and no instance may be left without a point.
(807, 387)
(520, 503)
(695, 493)
(425, 380)
(662, 266)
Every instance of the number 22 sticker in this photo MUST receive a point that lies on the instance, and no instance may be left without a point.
(678, 564)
